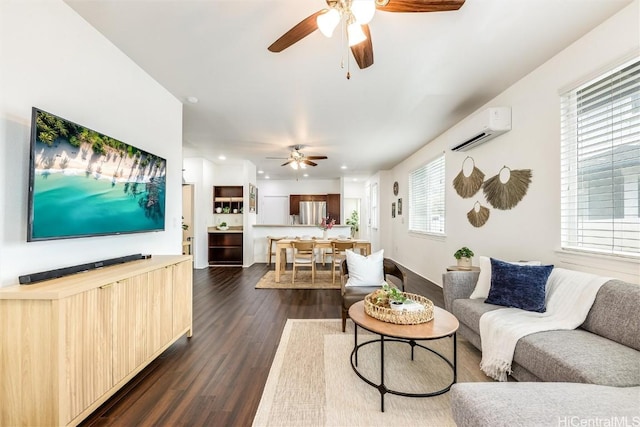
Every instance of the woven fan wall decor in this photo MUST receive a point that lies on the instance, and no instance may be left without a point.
(507, 195)
(467, 186)
(479, 215)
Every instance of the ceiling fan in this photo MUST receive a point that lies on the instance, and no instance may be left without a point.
(297, 159)
(355, 16)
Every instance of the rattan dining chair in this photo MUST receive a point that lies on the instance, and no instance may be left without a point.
(304, 255)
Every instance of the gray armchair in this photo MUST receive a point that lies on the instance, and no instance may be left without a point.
(351, 295)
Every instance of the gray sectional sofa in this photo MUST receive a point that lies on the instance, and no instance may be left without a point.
(599, 361)
(605, 350)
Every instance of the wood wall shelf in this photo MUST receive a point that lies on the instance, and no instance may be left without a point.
(228, 197)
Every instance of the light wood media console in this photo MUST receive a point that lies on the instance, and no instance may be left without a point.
(68, 344)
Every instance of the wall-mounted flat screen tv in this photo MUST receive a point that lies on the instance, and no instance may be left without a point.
(83, 183)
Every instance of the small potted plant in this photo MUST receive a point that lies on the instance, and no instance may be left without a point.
(223, 226)
(464, 255)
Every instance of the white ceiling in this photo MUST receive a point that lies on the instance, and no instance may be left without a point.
(431, 70)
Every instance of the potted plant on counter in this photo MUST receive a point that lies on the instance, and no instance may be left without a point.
(223, 226)
(464, 255)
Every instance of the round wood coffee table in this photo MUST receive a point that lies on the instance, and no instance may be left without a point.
(443, 325)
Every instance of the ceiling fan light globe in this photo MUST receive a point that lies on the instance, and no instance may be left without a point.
(355, 34)
(294, 165)
(363, 10)
(327, 22)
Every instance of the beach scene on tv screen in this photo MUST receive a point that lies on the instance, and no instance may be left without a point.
(86, 183)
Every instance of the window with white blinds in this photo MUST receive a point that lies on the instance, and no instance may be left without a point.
(426, 198)
(600, 164)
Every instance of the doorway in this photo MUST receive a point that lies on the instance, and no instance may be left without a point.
(352, 205)
(187, 219)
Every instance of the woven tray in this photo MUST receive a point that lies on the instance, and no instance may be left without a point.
(400, 317)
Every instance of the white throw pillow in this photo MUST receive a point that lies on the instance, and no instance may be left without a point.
(365, 270)
(484, 279)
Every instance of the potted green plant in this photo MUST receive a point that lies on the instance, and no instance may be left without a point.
(353, 222)
(226, 209)
(223, 226)
(464, 255)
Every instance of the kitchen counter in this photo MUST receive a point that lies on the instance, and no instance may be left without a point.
(298, 225)
(230, 230)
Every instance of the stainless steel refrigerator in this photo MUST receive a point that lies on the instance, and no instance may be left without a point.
(311, 213)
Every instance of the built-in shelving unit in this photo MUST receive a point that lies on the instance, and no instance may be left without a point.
(229, 199)
(226, 247)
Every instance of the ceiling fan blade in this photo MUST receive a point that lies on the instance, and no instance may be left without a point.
(297, 33)
(363, 52)
(309, 162)
(287, 162)
(418, 5)
(316, 157)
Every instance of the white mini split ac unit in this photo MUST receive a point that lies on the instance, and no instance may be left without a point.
(484, 126)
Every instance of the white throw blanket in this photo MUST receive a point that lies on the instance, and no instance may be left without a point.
(569, 297)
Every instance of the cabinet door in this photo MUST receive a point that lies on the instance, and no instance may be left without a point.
(182, 300)
(129, 323)
(294, 204)
(87, 349)
(333, 207)
(159, 321)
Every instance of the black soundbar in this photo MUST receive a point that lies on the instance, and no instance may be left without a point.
(67, 271)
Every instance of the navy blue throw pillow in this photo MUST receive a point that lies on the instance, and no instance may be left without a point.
(519, 286)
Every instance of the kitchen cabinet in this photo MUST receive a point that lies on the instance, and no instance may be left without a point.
(69, 344)
(333, 207)
(333, 203)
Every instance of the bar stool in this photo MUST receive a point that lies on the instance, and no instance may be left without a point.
(270, 249)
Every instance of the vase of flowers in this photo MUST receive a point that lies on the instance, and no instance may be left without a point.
(326, 224)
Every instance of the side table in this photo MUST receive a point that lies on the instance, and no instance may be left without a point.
(456, 268)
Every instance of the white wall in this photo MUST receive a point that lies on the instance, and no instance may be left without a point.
(53, 59)
(531, 230)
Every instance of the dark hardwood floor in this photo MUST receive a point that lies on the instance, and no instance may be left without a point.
(216, 378)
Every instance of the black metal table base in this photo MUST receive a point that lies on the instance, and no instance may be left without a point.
(382, 388)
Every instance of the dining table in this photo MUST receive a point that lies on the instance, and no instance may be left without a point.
(364, 246)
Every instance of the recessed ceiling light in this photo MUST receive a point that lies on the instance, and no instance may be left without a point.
(305, 175)
(192, 99)
(266, 177)
(343, 167)
(260, 171)
(222, 157)
(355, 179)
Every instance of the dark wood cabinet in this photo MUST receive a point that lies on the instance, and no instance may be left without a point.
(294, 204)
(225, 248)
(333, 207)
(333, 203)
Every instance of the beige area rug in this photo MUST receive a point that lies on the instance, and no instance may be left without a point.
(303, 280)
(311, 382)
